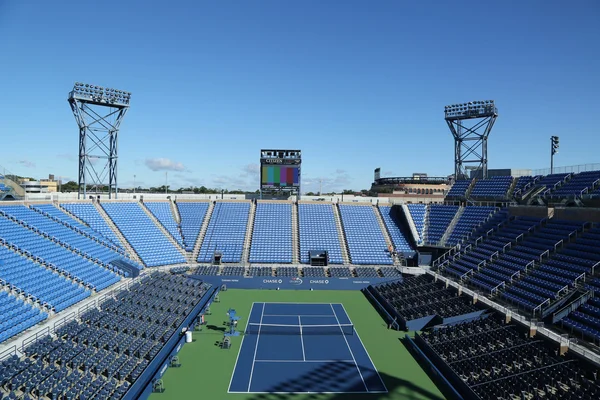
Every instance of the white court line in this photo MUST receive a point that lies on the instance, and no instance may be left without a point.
(238, 355)
(298, 315)
(348, 344)
(301, 338)
(256, 347)
(303, 361)
(366, 351)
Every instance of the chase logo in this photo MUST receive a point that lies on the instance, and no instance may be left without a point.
(296, 281)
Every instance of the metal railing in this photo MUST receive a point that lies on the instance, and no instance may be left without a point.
(515, 276)
(539, 307)
(568, 169)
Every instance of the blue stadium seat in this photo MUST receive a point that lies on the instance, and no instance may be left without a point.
(192, 216)
(272, 234)
(318, 231)
(366, 242)
(226, 232)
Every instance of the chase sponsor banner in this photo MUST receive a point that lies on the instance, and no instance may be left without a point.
(291, 283)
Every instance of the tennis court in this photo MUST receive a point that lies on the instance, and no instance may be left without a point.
(303, 348)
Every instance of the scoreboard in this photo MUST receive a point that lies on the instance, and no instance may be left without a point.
(280, 172)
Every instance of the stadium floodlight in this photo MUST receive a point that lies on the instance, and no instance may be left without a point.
(553, 150)
(470, 140)
(98, 112)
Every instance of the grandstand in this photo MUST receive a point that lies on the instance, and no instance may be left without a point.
(57, 262)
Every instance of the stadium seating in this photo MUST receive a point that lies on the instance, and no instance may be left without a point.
(395, 230)
(366, 242)
(286, 271)
(163, 213)
(233, 271)
(63, 232)
(579, 185)
(314, 272)
(492, 188)
(318, 231)
(61, 216)
(494, 360)
(17, 316)
(272, 234)
(419, 297)
(207, 270)
(146, 239)
(418, 212)
(88, 213)
(439, 218)
(366, 272)
(459, 189)
(103, 352)
(260, 271)
(551, 182)
(39, 284)
(50, 251)
(471, 218)
(523, 184)
(226, 232)
(192, 216)
(340, 272)
(584, 322)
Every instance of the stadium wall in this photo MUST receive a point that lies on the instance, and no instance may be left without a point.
(292, 283)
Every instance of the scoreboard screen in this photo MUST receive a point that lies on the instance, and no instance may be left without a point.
(280, 175)
(280, 171)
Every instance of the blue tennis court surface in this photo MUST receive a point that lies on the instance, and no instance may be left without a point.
(303, 348)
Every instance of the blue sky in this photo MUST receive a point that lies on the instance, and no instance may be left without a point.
(354, 84)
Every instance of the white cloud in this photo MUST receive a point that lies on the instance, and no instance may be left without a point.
(163, 164)
(27, 163)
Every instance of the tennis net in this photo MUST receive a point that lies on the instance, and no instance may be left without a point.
(281, 329)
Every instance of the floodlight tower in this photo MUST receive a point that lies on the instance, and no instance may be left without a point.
(470, 138)
(99, 112)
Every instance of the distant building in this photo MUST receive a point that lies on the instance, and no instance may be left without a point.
(501, 172)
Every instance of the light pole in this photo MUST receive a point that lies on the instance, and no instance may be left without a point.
(553, 151)
(166, 181)
(133, 184)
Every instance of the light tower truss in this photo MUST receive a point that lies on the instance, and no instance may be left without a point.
(471, 124)
(98, 112)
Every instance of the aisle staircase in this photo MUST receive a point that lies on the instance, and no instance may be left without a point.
(249, 230)
(295, 235)
(341, 234)
(202, 233)
(386, 233)
(119, 235)
(163, 229)
(452, 225)
(411, 224)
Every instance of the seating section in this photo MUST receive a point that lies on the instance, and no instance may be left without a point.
(146, 239)
(50, 251)
(523, 184)
(459, 189)
(340, 272)
(61, 216)
(101, 354)
(492, 188)
(226, 232)
(549, 182)
(192, 216)
(584, 322)
(390, 272)
(499, 361)
(89, 214)
(471, 218)
(314, 272)
(440, 217)
(287, 271)
(62, 232)
(318, 231)
(366, 272)
(233, 271)
(207, 270)
(272, 234)
(418, 297)
(366, 242)
(39, 284)
(395, 230)
(579, 185)
(260, 271)
(418, 213)
(17, 316)
(163, 213)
